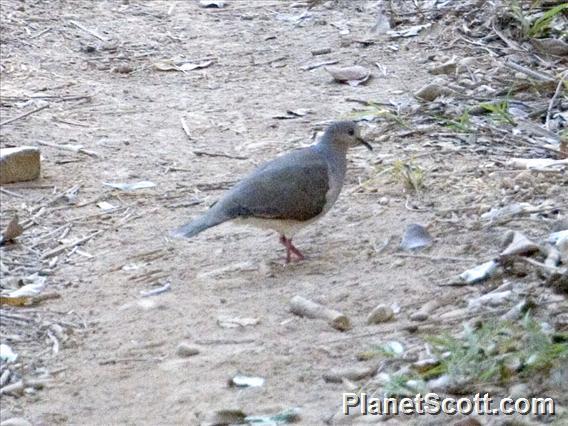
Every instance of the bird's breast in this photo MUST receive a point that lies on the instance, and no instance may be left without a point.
(336, 176)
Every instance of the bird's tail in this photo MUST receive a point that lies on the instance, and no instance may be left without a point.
(196, 226)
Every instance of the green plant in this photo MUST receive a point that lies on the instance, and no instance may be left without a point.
(500, 111)
(496, 352)
(541, 26)
(517, 11)
(377, 110)
(461, 124)
(540, 352)
(397, 386)
(409, 174)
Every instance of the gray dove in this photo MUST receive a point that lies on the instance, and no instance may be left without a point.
(289, 192)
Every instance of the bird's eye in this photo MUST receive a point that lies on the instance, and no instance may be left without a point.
(351, 132)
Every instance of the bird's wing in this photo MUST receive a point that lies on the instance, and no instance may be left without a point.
(291, 187)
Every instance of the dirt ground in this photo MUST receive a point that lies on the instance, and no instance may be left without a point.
(122, 367)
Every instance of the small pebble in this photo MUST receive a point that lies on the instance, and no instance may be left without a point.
(185, 350)
(419, 316)
(322, 51)
(519, 390)
(122, 69)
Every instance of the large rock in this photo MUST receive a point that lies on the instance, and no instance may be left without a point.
(19, 164)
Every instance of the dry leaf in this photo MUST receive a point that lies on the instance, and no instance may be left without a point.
(408, 32)
(130, 186)
(13, 230)
(7, 354)
(432, 91)
(188, 66)
(16, 301)
(227, 322)
(165, 65)
(171, 65)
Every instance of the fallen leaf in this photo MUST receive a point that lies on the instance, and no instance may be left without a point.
(16, 301)
(188, 66)
(228, 322)
(165, 65)
(7, 354)
(13, 230)
(393, 348)
(130, 186)
(408, 32)
(415, 236)
(543, 164)
(287, 416)
(103, 205)
(171, 65)
(29, 289)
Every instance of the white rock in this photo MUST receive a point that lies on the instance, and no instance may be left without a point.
(381, 313)
(440, 384)
(19, 164)
(491, 299)
(519, 390)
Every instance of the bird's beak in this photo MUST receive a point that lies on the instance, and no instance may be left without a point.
(364, 142)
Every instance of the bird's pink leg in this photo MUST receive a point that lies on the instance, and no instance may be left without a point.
(290, 248)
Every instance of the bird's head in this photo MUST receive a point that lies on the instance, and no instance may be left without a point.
(346, 134)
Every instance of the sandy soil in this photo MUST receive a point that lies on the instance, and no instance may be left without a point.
(123, 368)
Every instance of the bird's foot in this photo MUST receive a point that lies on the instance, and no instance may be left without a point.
(290, 249)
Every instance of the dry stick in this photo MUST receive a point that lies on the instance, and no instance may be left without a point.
(64, 247)
(41, 33)
(434, 258)
(215, 154)
(131, 359)
(60, 98)
(16, 388)
(93, 33)
(11, 120)
(528, 71)
(354, 373)
(185, 127)
(13, 194)
(72, 148)
(319, 64)
(553, 101)
(4, 377)
(507, 41)
(307, 308)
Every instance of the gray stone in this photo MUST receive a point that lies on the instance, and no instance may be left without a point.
(185, 350)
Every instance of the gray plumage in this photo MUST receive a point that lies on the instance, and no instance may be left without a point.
(288, 192)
